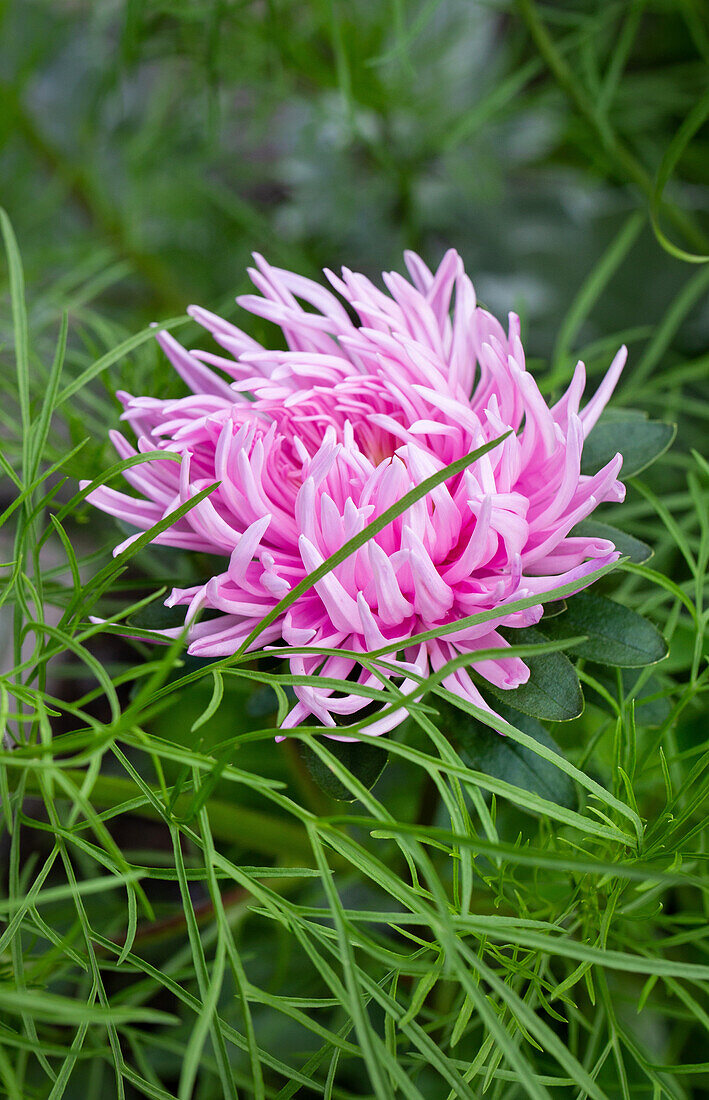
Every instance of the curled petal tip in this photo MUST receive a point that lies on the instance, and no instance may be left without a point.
(300, 444)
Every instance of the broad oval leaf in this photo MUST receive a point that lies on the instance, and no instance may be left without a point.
(634, 549)
(363, 760)
(501, 757)
(552, 691)
(616, 635)
(639, 441)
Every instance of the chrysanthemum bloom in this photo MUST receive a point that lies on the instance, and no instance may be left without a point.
(310, 444)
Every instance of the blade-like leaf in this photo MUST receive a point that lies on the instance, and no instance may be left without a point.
(651, 713)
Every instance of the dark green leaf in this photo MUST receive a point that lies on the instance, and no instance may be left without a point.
(551, 610)
(630, 547)
(190, 664)
(552, 691)
(616, 635)
(639, 441)
(155, 616)
(263, 702)
(364, 761)
(503, 758)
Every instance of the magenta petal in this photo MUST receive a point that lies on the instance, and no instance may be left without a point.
(305, 446)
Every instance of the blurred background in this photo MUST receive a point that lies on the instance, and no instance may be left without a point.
(148, 148)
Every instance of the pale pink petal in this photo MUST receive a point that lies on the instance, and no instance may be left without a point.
(304, 447)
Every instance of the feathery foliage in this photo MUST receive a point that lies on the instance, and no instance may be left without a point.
(184, 911)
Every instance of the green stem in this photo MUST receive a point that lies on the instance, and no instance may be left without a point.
(627, 166)
(247, 828)
(316, 801)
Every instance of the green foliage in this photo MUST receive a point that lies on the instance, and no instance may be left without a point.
(615, 635)
(552, 691)
(642, 442)
(364, 762)
(183, 911)
(631, 548)
(517, 765)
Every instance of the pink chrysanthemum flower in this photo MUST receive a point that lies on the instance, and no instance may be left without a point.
(309, 444)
